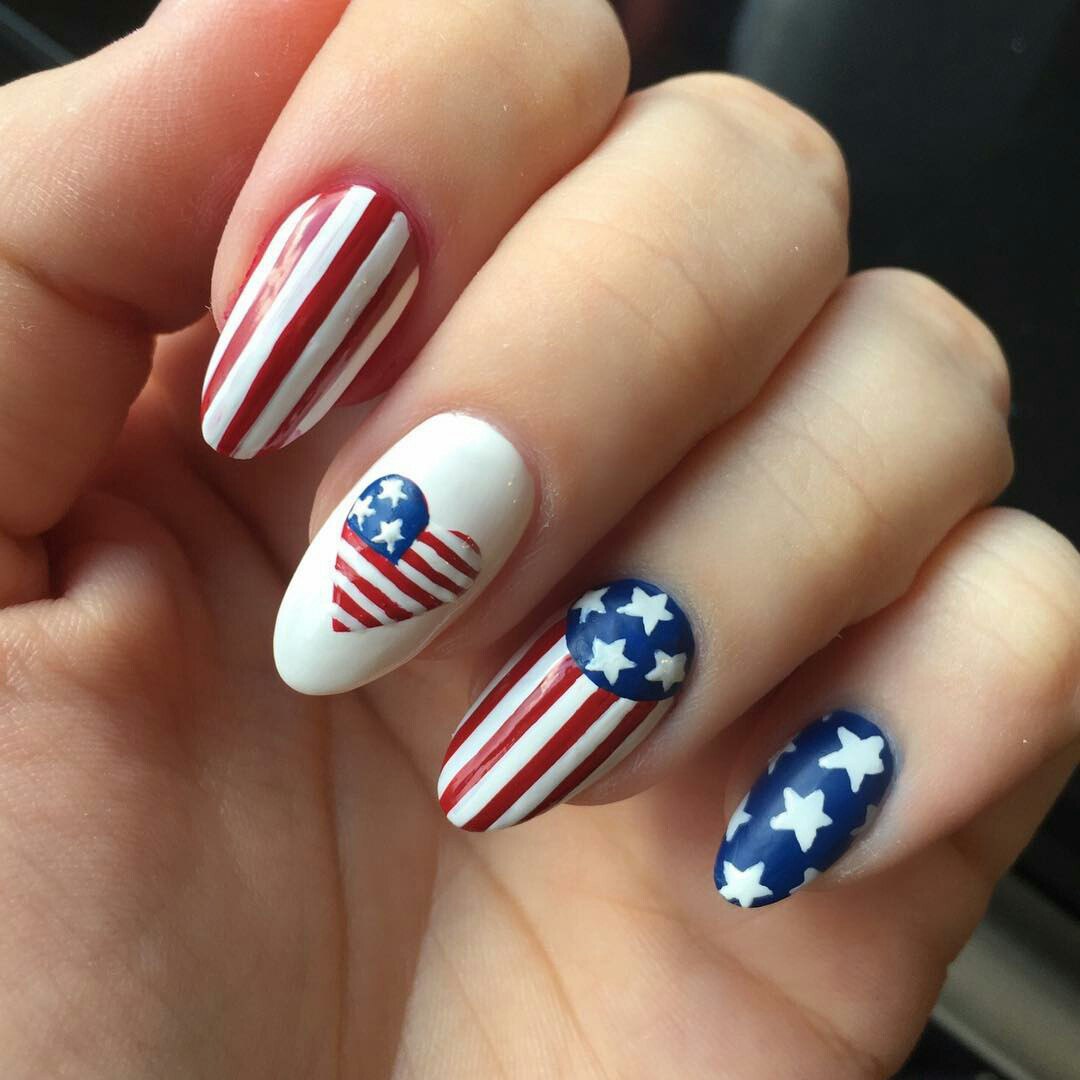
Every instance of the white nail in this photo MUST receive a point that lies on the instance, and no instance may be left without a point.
(385, 573)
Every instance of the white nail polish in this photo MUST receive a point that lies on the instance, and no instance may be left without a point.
(414, 541)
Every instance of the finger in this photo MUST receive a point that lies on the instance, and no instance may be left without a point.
(607, 301)
(813, 510)
(437, 126)
(972, 681)
(117, 176)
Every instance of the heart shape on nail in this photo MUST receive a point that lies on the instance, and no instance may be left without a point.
(393, 562)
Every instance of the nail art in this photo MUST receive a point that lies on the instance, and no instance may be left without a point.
(572, 704)
(818, 792)
(426, 527)
(329, 286)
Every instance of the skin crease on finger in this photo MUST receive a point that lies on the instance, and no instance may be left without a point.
(206, 874)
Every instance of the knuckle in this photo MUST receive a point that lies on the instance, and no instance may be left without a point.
(955, 332)
(1028, 580)
(586, 43)
(763, 115)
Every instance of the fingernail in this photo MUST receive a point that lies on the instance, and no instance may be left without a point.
(421, 532)
(819, 792)
(568, 707)
(329, 286)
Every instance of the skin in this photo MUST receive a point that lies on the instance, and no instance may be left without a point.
(208, 875)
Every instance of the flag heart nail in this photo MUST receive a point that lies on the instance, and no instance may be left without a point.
(393, 562)
(400, 556)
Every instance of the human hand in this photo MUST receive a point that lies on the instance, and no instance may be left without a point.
(665, 371)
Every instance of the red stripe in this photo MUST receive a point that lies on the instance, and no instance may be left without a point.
(339, 626)
(372, 592)
(483, 708)
(447, 554)
(619, 734)
(587, 714)
(465, 538)
(391, 572)
(419, 564)
(306, 230)
(311, 314)
(351, 607)
(550, 688)
(377, 307)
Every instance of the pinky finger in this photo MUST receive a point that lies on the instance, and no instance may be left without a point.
(934, 711)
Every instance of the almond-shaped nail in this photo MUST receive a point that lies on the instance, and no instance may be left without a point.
(819, 792)
(329, 286)
(572, 704)
(421, 533)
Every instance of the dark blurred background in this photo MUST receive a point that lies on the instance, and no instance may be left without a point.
(960, 120)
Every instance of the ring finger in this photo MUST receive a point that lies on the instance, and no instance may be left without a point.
(884, 427)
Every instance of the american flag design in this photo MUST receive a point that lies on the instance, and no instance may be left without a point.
(393, 562)
(568, 707)
(819, 792)
(329, 286)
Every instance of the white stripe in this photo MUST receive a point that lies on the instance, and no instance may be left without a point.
(523, 750)
(362, 568)
(459, 547)
(293, 292)
(505, 670)
(376, 336)
(632, 742)
(597, 732)
(440, 565)
(360, 600)
(511, 700)
(445, 595)
(254, 284)
(331, 332)
(343, 616)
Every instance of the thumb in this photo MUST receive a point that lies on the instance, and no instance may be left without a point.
(116, 180)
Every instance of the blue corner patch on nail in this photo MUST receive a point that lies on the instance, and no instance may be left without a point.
(819, 792)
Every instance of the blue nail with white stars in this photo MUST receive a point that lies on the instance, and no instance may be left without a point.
(817, 795)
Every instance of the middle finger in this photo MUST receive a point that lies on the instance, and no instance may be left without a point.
(640, 303)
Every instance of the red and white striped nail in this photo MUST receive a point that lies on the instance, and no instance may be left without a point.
(577, 699)
(331, 283)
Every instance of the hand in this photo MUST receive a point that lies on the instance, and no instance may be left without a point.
(208, 874)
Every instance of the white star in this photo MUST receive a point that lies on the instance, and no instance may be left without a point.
(738, 819)
(743, 886)
(858, 757)
(871, 813)
(778, 755)
(802, 815)
(362, 509)
(669, 670)
(590, 602)
(807, 877)
(650, 609)
(392, 490)
(389, 534)
(609, 658)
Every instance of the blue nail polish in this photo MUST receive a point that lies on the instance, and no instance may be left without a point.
(819, 792)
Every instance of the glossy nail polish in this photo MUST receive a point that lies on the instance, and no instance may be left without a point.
(579, 697)
(329, 286)
(423, 530)
(818, 793)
